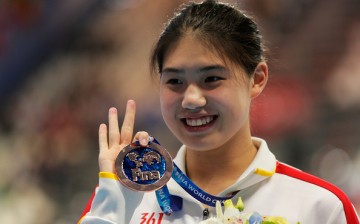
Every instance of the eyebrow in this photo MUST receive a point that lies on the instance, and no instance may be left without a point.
(199, 70)
(172, 70)
(212, 68)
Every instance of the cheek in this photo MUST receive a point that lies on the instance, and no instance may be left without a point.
(236, 103)
(168, 110)
(167, 102)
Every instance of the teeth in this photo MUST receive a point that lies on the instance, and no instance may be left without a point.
(199, 121)
(208, 119)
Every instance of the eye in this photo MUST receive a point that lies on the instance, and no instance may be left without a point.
(174, 82)
(213, 79)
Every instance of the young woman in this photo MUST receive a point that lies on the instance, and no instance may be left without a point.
(210, 64)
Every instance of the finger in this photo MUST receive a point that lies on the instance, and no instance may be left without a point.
(114, 134)
(127, 127)
(142, 137)
(103, 142)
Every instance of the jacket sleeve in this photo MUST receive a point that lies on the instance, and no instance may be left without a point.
(111, 202)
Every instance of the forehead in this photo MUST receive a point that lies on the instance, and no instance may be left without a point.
(190, 51)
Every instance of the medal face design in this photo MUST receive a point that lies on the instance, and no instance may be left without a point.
(144, 168)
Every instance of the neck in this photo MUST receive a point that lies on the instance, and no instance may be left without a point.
(217, 169)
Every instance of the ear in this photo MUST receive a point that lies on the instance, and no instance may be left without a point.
(259, 79)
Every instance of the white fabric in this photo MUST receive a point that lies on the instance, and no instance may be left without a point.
(275, 195)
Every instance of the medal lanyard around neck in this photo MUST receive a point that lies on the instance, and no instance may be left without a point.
(171, 203)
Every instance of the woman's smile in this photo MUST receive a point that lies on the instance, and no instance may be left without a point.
(199, 124)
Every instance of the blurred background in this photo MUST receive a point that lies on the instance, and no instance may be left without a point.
(63, 63)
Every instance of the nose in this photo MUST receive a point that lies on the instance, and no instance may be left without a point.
(193, 98)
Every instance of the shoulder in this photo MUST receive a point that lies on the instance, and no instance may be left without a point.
(310, 187)
(305, 179)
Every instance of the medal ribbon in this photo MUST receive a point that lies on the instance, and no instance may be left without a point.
(171, 203)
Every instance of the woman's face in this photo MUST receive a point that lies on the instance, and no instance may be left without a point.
(204, 101)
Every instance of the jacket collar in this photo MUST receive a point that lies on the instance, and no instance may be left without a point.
(262, 167)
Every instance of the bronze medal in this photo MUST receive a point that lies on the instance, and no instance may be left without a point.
(144, 168)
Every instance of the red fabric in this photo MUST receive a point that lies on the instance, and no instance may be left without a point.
(88, 206)
(350, 213)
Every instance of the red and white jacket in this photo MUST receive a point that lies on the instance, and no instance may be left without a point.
(268, 187)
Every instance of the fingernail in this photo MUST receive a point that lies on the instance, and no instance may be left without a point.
(144, 141)
(113, 110)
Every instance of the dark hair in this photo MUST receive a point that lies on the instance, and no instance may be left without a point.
(223, 27)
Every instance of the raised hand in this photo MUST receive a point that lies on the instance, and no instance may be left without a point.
(113, 140)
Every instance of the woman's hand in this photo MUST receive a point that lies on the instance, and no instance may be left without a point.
(113, 140)
(117, 140)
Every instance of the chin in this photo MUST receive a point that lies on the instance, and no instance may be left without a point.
(199, 145)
